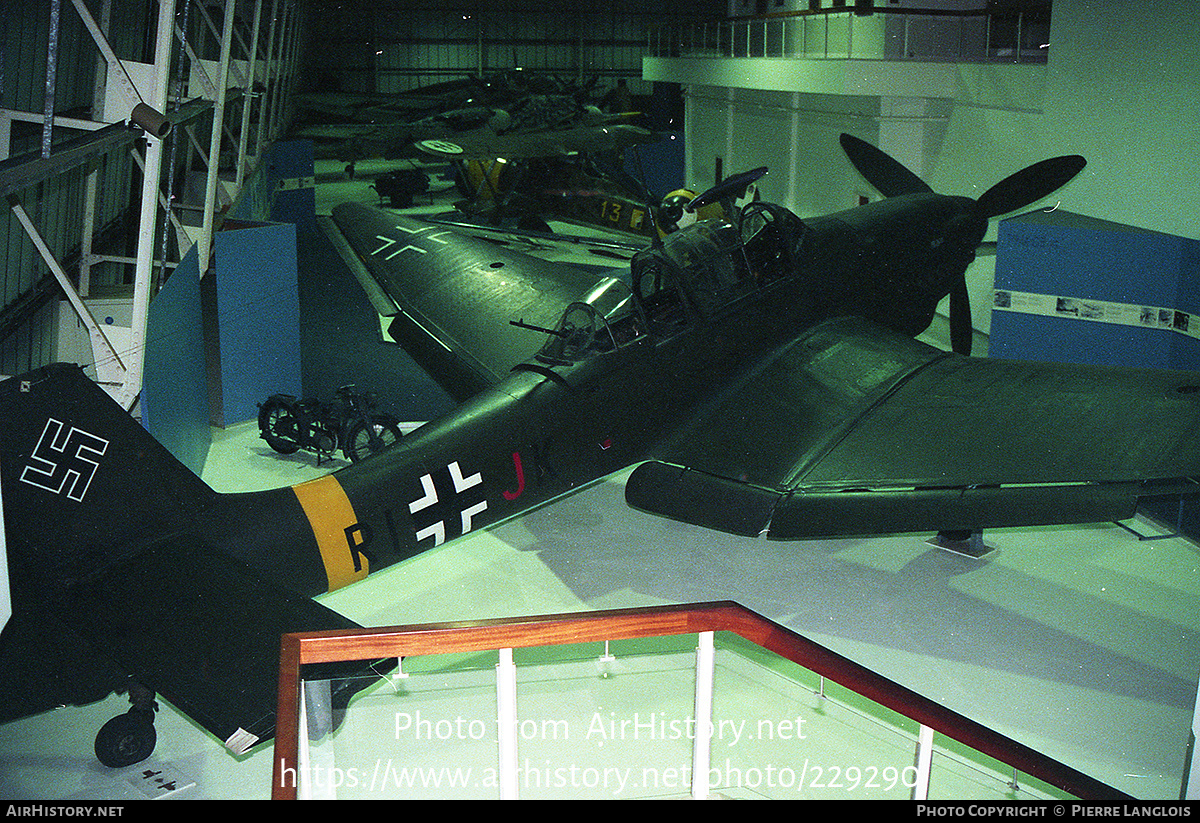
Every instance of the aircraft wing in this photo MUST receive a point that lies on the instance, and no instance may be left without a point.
(484, 143)
(854, 429)
(452, 296)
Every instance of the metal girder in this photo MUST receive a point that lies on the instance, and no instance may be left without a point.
(135, 362)
(251, 94)
(110, 57)
(17, 173)
(100, 341)
(21, 172)
(204, 242)
(272, 59)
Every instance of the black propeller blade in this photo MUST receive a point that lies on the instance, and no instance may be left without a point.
(962, 329)
(881, 170)
(1016, 191)
(1029, 185)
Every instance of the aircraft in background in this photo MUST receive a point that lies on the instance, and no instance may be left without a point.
(581, 189)
(496, 89)
(759, 372)
(381, 107)
(516, 125)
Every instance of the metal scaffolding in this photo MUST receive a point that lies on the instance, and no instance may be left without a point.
(191, 120)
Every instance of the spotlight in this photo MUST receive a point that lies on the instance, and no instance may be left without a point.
(150, 121)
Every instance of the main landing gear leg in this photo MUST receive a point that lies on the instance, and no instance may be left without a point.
(129, 738)
(966, 542)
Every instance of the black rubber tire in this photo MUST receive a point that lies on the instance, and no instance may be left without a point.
(358, 441)
(126, 739)
(278, 425)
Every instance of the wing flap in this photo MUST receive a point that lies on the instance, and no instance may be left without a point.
(701, 499)
(735, 507)
(822, 514)
(204, 632)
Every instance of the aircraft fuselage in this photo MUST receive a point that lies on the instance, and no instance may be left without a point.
(548, 430)
(537, 435)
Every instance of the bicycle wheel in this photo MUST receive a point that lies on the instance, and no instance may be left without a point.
(364, 440)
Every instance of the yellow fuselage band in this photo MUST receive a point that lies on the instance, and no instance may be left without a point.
(334, 526)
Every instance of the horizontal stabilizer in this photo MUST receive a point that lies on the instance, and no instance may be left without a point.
(204, 632)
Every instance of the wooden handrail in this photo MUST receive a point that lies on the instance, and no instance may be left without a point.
(622, 624)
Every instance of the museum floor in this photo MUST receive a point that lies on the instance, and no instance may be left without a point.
(1080, 642)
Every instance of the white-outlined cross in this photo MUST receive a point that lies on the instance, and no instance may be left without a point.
(429, 497)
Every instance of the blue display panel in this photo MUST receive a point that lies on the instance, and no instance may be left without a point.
(1075, 289)
(175, 404)
(257, 310)
(1071, 288)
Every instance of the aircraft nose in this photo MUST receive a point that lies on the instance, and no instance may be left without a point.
(966, 230)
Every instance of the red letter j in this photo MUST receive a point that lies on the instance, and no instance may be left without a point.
(509, 495)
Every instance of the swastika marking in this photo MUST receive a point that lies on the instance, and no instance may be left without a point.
(64, 464)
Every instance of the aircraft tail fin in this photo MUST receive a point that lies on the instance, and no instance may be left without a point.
(111, 579)
(84, 484)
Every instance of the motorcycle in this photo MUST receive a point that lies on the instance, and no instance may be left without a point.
(349, 422)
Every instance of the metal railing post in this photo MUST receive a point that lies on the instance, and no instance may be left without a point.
(702, 742)
(924, 763)
(506, 720)
(303, 768)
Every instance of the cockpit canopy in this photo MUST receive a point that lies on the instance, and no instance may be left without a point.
(704, 259)
(603, 321)
(693, 274)
(703, 268)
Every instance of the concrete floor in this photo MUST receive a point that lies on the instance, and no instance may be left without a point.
(1080, 642)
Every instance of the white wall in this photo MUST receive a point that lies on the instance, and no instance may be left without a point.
(1123, 89)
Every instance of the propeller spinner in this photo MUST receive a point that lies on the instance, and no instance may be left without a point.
(892, 179)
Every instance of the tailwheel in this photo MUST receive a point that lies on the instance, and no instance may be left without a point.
(129, 738)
